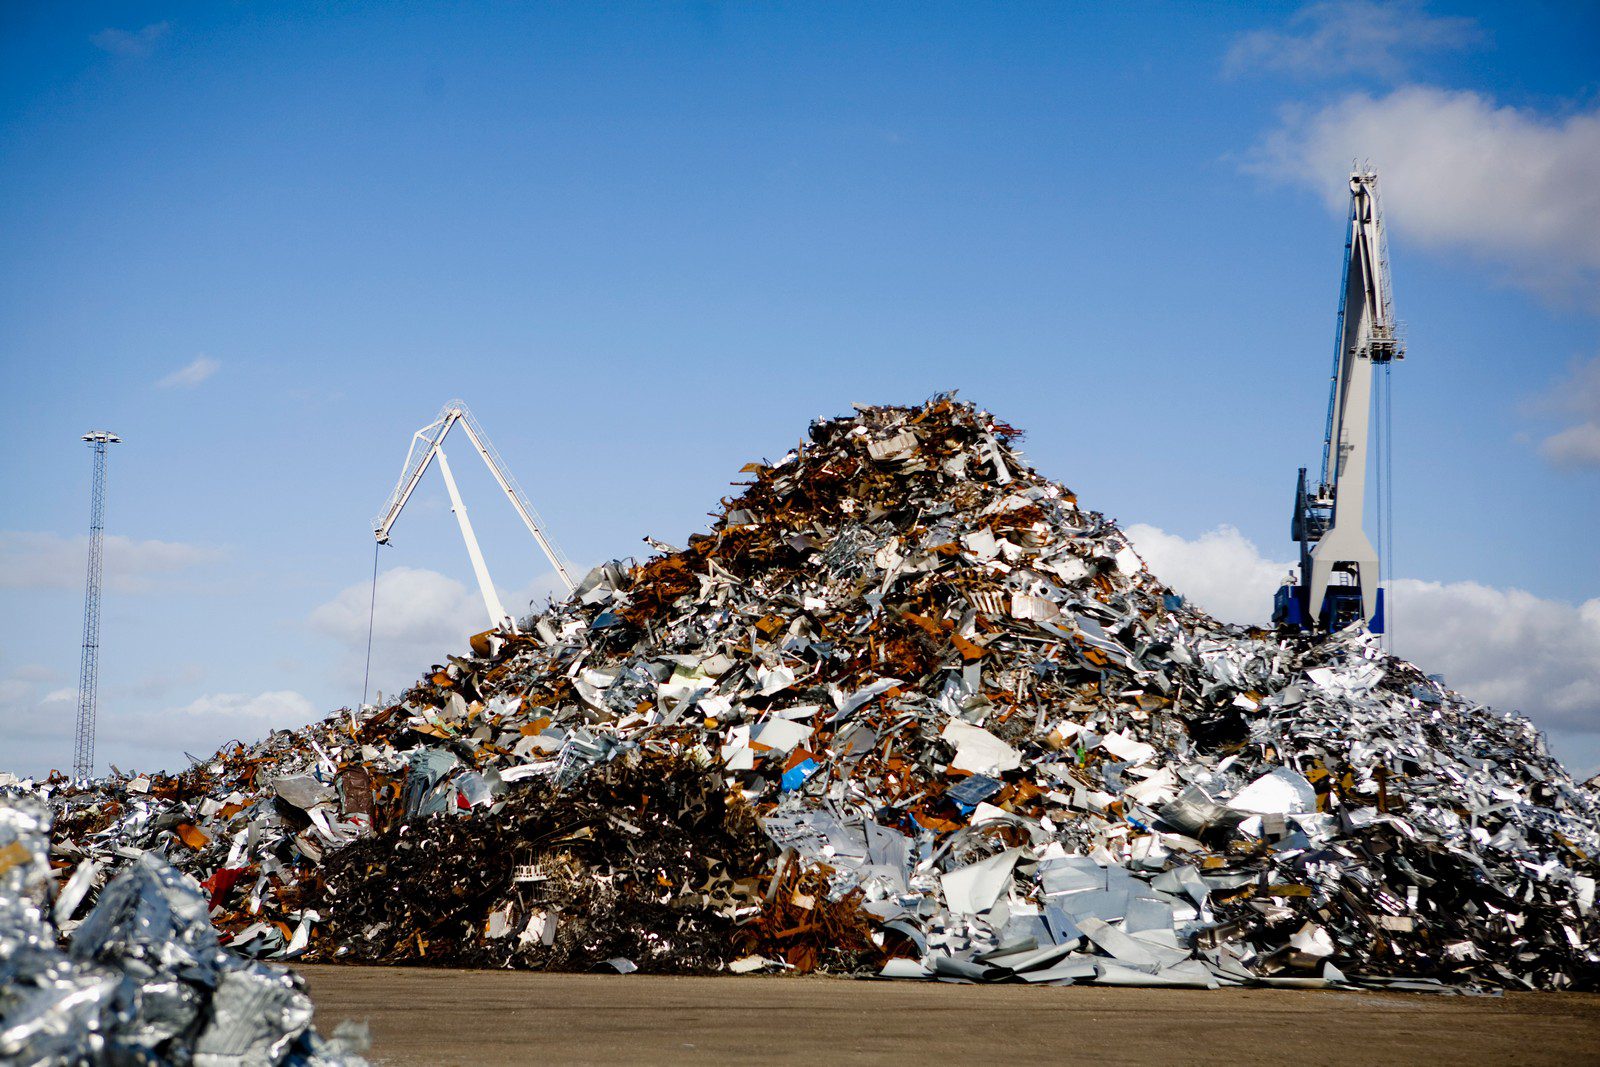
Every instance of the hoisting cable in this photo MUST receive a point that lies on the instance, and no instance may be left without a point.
(1381, 442)
(1388, 489)
(372, 614)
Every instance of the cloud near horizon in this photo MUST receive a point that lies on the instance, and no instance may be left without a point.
(420, 617)
(165, 738)
(36, 719)
(41, 560)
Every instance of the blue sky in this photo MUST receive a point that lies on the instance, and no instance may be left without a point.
(647, 243)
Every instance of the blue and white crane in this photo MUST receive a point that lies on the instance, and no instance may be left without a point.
(1339, 579)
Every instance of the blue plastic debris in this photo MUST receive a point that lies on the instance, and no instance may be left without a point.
(972, 791)
(796, 776)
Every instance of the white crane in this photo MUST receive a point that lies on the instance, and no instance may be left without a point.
(427, 443)
(1338, 565)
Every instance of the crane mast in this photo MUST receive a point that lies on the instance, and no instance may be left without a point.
(428, 443)
(1339, 567)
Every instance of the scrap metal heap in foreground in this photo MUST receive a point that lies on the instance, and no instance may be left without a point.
(907, 709)
(145, 979)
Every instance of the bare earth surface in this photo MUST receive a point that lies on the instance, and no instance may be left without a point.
(502, 1017)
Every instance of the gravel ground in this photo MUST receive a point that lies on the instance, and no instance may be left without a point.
(422, 1015)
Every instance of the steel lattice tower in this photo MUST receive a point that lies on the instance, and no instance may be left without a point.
(89, 666)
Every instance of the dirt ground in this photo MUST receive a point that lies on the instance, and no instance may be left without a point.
(504, 1017)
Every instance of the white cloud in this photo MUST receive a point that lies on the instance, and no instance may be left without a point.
(274, 710)
(1503, 647)
(1578, 394)
(32, 560)
(1576, 446)
(36, 672)
(38, 726)
(1221, 571)
(1512, 186)
(421, 616)
(131, 44)
(191, 374)
(1350, 37)
(164, 738)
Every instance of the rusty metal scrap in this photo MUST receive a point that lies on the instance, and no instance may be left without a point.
(906, 708)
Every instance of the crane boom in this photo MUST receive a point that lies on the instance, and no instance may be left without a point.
(519, 500)
(1339, 568)
(427, 443)
(431, 437)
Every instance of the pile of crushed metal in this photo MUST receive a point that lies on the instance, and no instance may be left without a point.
(906, 710)
(144, 979)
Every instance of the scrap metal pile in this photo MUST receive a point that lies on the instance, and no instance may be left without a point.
(144, 980)
(907, 709)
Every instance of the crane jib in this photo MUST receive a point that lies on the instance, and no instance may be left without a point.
(427, 445)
